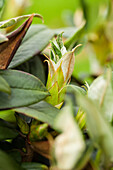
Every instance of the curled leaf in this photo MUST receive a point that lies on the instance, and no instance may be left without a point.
(9, 48)
(12, 21)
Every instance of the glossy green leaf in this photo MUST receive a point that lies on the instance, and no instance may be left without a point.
(34, 166)
(69, 145)
(101, 93)
(12, 21)
(41, 111)
(37, 38)
(7, 163)
(4, 87)
(25, 89)
(98, 128)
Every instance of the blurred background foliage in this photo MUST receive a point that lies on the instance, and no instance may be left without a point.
(96, 36)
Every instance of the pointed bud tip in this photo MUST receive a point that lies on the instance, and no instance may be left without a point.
(79, 45)
(39, 16)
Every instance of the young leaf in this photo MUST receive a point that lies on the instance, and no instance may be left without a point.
(25, 89)
(9, 48)
(12, 21)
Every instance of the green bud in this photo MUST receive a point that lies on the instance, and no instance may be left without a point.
(61, 65)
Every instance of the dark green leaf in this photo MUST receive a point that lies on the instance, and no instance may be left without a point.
(7, 130)
(34, 66)
(25, 89)
(6, 133)
(41, 111)
(7, 163)
(15, 155)
(4, 87)
(37, 38)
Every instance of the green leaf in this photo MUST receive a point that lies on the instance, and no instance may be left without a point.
(12, 21)
(4, 87)
(37, 38)
(34, 166)
(98, 128)
(34, 66)
(7, 163)
(25, 89)
(101, 93)
(70, 42)
(6, 131)
(41, 111)
(68, 31)
(69, 145)
(8, 115)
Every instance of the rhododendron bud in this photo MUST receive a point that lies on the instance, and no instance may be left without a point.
(61, 65)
